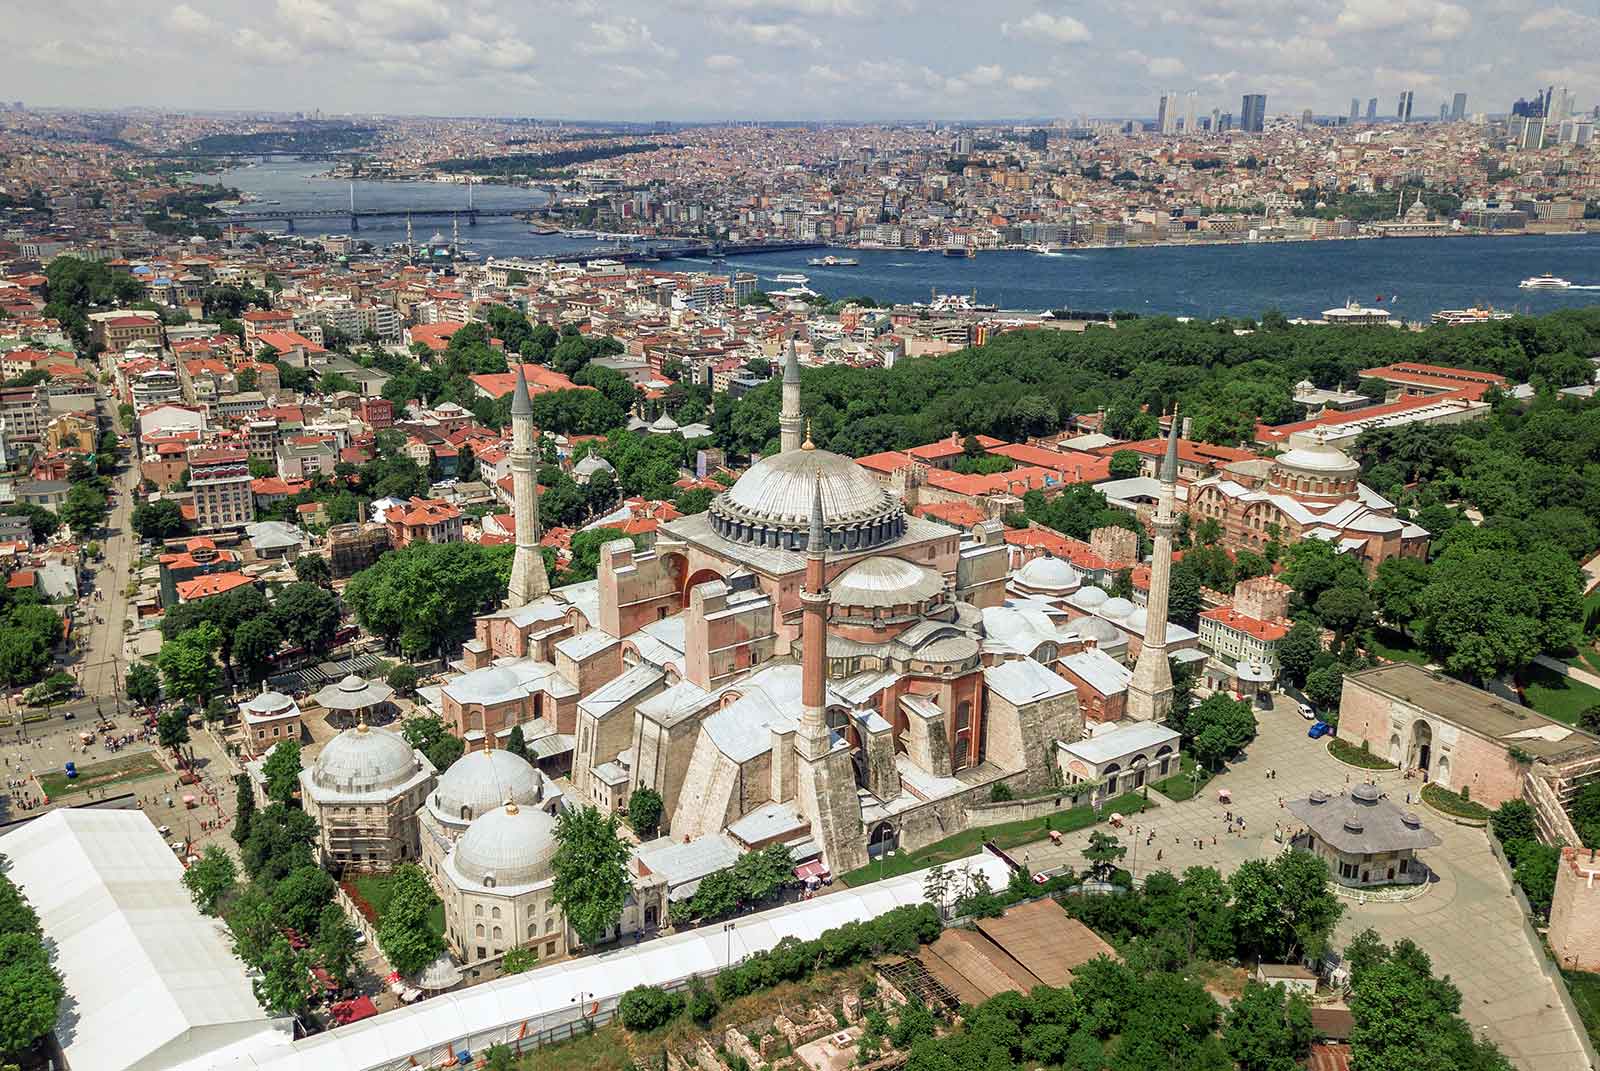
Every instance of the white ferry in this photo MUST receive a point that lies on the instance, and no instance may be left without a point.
(1545, 282)
(831, 261)
(1474, 315)
(954, 303)
(791, 277)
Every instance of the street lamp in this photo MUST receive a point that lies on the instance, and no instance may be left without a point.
(727, 956)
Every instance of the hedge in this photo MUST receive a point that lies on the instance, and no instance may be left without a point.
(900, 930)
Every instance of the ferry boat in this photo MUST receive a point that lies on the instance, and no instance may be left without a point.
(791, 277)
(831, 261)
(1045, 250)
(1474, 315)
(1545, 282)
(954, 303)
(959, 249)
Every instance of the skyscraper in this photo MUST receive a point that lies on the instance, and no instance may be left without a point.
(1190, 104)
(1372, 109)
(1150, 689)
(1402, 110)
(1458, 108)
(1253, 113)
(1216, 119)
(1355, 108)
(1167, 113)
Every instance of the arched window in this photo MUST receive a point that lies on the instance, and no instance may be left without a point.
(963, 715)
(496, 934)
(479, 930)
(533, 930)
(494, 913)
(466, 813)
(477, 910)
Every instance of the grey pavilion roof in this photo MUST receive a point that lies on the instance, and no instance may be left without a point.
(1362, 822)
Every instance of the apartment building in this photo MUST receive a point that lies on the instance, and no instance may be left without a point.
(220, 480)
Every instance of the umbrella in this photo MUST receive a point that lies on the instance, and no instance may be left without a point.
(188, 799)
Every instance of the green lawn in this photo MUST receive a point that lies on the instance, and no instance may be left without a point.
(1181, 785)
(1443, 799)
(1556, 696)
(1584, 658)
(1006, 835)
(1345, 751)
(1585, 990)
(375, 890)
(1393, 647)
(116, 771)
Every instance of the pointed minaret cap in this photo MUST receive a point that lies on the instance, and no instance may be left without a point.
(521, 404)
(1169, 466)
(818, 535)
(791, 364)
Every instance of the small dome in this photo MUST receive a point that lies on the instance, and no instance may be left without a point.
(480, 781)
(1365, 794)
(1096, 628)
(510, 845)
(268, 703)
(1090, 597)
(1136, 620)
(885, 582)
(364, 759)
(1115, 609)
(664, 423)
(1050, 575)
(352, 683)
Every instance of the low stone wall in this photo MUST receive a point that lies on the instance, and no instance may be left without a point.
(989, 813)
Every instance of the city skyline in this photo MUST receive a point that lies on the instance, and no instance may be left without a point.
(786, 59)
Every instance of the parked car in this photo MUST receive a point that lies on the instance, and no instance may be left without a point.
(1318, 730)
(1307, 712)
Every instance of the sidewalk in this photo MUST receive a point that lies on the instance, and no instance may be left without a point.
(1555, 665)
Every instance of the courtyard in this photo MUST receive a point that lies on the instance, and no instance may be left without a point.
(1468, 920)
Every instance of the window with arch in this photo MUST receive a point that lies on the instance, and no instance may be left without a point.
(533, 930)
(494, 913)
(477, 910)
(478, 930)
(496, 933)
(963, 715)
(958, 760)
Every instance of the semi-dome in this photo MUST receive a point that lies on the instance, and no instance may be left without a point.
(771, 503)
(510, 845)
(1049, 575)
(883, 582)
(480, 781)
(364, 759)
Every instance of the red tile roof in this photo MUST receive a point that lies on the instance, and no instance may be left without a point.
(1261, 630)
(204, 587)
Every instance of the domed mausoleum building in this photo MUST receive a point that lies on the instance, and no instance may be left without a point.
(363, 790)
(474, 785)
(496, 884)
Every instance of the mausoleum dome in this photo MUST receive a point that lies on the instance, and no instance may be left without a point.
(480, 781)
(510, 845)
(364, 759)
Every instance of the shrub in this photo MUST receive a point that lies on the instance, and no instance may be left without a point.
(791, 959)
(1001, 792)
(648, 1007)
(702, 1003)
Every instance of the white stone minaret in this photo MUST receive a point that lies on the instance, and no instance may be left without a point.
(1150, 690)
(528, 579)
(791, 425)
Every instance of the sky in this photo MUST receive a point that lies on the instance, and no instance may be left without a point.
(792, 59)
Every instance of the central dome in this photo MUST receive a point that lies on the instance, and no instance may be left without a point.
(511, 845)
(364, 759)
(771, 504)
(480, 781)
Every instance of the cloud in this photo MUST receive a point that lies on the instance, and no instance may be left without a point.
(814, 8)
(819, 72)
(721, 61)
(985, 76)
(1063, 29)
(1436, 20)
(186, 19)
(623, 34)
(1155, 66)
(774, 33)
(1027, 83)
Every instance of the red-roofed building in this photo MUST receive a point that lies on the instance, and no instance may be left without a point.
(1242, 636)
(1196, 460)
(961, 515)
(1341, 428)
(540, 380)
(424, 520)
(210, 586)
(258, 320)
(292, 348)
(435, 336)
(21, 580)
(1414, 379)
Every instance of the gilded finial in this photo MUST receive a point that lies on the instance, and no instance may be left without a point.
(808, 444)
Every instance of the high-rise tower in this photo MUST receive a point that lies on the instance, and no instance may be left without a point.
(1150, 690)
(528, 579)
(790, 423)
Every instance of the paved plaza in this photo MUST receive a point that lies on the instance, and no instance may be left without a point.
(1468, 921)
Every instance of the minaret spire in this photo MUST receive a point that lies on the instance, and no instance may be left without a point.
(790, 423)
(528, 578)
(813, 735)
(1150, 690)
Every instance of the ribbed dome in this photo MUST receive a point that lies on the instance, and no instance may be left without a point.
(510, 845)
(1319, 458)
(1050, 575)
(771, 503)
(884, 582)
(364, 759)
(480, 781)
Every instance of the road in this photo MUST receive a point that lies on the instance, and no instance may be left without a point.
(99, 667)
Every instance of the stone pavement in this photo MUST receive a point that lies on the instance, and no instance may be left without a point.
(1468, 921)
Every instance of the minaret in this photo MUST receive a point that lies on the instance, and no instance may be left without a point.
(528, 580)
(1150, 690)
(411, 250)
(790, 423)
(455, 235)
(812, 740)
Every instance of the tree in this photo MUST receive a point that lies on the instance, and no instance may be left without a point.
(160, 520)
(32, 990)
(313, 569)
(284, 987)
(143, 684)
(1324, 686)
(16, 914)
(518, 960)
(404, 934)
(1283, 907)
(423, 598)
(1589, 719)
(1536, 869)
(1103, 853)
(210, 879)
(403, 678)
(648, 1007)
(1184, 601)
(279, 843)
(428, 735)
(172, 729)
(83, 509)
(188, 664)
(24, 657)
(1219, 727)
(591, 871)
(300, 897)
(1298, 651)
(1343, 609)
(1267, 1029)
(336, 947)
(644, 811)
(765, 873)
(307, 615)
(244, 808)
(282, 771)
(517, 744)
(1124, 464)
(255, 645)
(1397, 591)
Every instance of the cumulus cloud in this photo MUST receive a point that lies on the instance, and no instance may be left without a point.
(1437, 20)
(623, 34)
(186, 19)
(1155, 66)
(774, 33)
(1063, 29)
